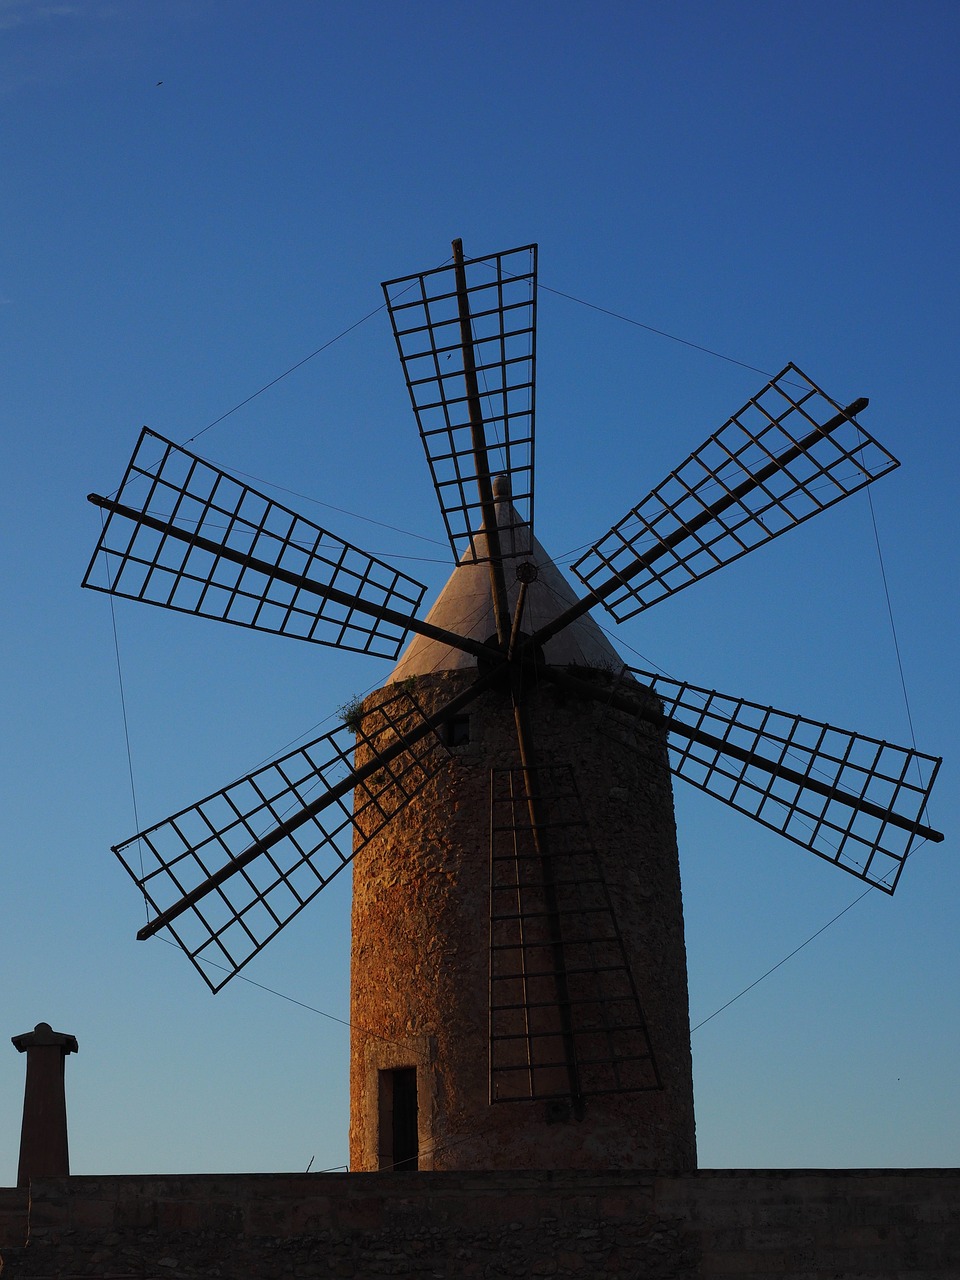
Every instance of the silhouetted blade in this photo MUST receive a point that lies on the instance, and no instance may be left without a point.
(234, 920)
(226, 551)
(767, 469)
(502, 296)
(611, 1045)
(853, 800)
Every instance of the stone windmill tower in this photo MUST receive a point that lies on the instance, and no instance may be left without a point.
(518, 975)
(453, 893)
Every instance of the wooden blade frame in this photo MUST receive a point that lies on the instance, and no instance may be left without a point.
(228, 873)
(560, 981)
(852, 800)
(426, 313)
(182, 534)
(788, 454)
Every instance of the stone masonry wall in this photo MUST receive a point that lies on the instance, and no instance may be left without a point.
(711, 1225)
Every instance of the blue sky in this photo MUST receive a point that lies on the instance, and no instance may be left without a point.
(771, 181)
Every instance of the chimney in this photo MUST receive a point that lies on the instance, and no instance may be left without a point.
(43, 1136)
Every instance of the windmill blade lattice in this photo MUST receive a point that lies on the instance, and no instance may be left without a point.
(853, 800)
(788, 454)
(555, 953)
(184, 535)
(501, 294)
(275, 815)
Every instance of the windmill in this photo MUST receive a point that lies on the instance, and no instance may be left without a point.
(518, 965)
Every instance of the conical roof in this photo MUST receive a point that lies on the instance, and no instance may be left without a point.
(466, 605)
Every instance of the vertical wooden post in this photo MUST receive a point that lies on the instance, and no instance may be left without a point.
(43, 1135)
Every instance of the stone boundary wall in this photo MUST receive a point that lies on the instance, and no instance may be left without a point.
(14, 1202)
(710, 1225)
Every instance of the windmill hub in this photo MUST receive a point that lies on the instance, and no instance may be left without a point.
(526, 657)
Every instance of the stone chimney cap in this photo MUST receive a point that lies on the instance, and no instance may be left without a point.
(44, 1034)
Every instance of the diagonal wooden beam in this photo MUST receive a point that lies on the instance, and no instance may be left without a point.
(488, 507)
(532, 792)
(623, 702)
(746, 486)
(329, 797)
(382, 612)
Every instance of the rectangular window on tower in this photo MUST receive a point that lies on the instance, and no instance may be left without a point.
(457, 731)
(399, 1140)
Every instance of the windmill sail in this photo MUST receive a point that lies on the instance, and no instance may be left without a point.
(788, 454)
(501, 298)
(184, 535)
(303, 817)
(853, 800)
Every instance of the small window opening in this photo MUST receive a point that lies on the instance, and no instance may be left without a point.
(399, 1141)
(457, 730)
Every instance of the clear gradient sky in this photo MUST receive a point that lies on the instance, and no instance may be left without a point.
(196, 194)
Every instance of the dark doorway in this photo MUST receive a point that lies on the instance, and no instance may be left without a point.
(402, 1146)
